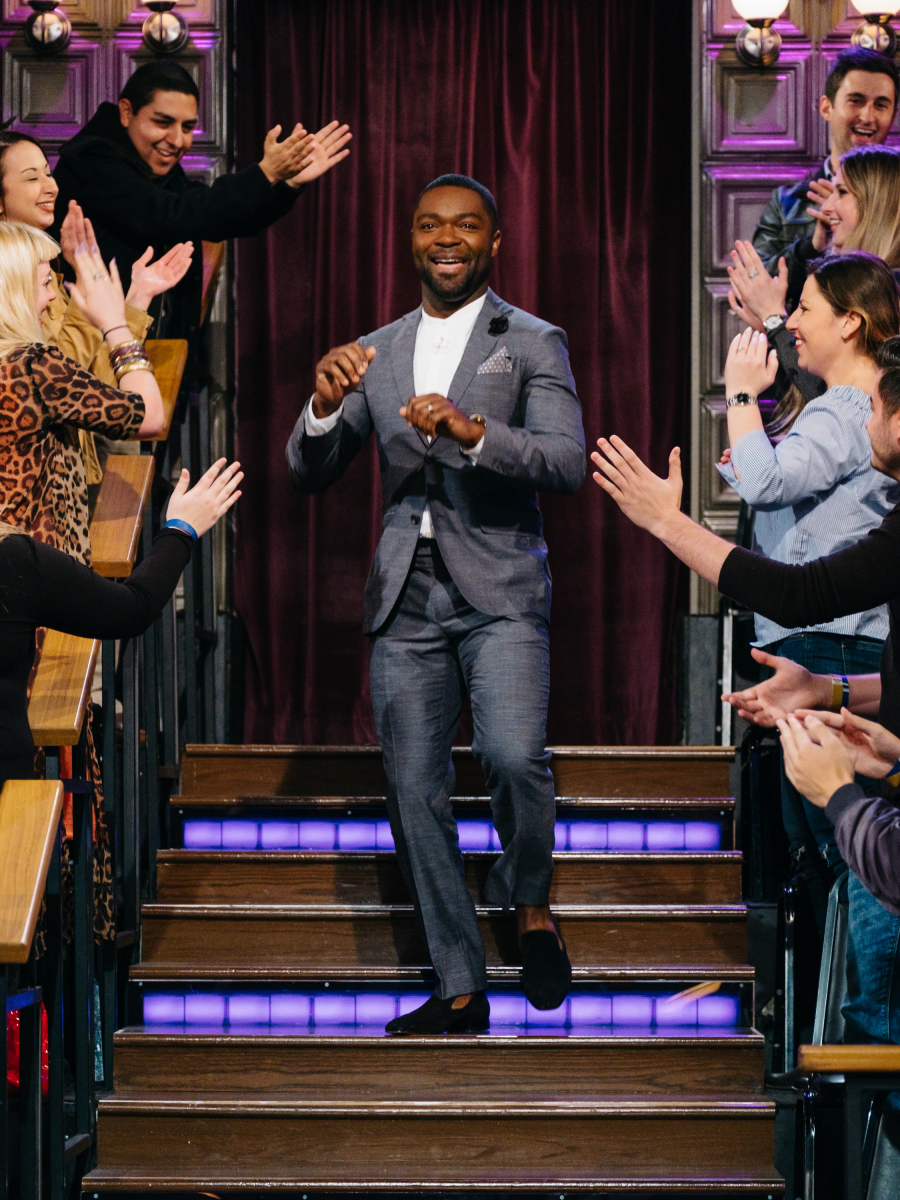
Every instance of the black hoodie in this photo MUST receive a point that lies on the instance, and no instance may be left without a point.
(131, 209)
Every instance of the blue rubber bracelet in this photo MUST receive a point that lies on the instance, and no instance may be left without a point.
(174, 523)
(845, 697)
(893, 775)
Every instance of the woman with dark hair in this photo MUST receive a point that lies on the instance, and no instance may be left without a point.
(815, 492)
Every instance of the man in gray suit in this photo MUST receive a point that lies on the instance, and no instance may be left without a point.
(474, 409)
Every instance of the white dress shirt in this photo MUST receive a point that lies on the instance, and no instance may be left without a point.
(440, 345)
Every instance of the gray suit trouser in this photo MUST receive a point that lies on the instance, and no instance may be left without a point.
(433, 649)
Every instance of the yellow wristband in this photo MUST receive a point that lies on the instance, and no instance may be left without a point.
(840, 692)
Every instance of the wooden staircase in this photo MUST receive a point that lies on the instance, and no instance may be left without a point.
(661, 1106)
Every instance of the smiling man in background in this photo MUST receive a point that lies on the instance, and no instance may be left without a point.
(123, 168)
(859, 104)
(473, 406)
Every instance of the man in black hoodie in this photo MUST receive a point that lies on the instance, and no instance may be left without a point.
(123, 168)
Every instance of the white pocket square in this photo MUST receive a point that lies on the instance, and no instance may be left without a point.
(499, 363)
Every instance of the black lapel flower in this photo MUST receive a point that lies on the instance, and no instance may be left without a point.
(498, 325)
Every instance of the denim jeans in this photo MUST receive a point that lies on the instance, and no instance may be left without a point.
(823, 654)
(872, 1007)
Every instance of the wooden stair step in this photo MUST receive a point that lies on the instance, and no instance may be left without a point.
(761, 1187)
(152, 1063)
(463, 1143)
(631, 771)
(348, 935)
(334, 877)
(678, 976)
(588, 806)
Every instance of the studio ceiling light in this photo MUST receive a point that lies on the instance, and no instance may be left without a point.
(876, 31)
(758, 44)
(165, 32)
(47, 30)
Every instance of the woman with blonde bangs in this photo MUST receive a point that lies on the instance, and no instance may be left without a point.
(45, 396)
(28, 195)
(869, 182)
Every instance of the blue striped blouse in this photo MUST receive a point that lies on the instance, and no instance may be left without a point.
(815, 492)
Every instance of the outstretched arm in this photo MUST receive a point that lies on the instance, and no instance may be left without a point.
(654, 504)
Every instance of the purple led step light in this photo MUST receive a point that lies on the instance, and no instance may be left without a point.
(361, 835)
(344, 1010)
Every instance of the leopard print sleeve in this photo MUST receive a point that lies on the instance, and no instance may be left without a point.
(70, 395)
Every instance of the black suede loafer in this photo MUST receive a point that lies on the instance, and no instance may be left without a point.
(546, 970)
(439, 1016)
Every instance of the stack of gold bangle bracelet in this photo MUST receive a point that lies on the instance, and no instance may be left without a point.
(127, 357)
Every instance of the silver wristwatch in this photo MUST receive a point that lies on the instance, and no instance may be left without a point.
(770, 324)
(739, 400)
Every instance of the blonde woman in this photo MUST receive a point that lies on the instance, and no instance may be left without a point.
(45, 396)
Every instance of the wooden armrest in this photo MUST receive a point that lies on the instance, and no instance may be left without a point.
(844, 1060)
(168, 356)
(30, 812)
(121, 503)
(213, 260)
(62, 688)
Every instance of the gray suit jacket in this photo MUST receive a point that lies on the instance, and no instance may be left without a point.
(486, 517)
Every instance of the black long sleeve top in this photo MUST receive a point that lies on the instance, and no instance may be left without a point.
(867, 829)
(42, 586)
(131, 208)
(862, 576)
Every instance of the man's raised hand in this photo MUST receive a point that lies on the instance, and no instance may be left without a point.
(437, 416)
(281, 161)
(326, 150)
(338, 373)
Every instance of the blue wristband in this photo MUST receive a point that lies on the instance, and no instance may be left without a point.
(845, 683)
(174, 523)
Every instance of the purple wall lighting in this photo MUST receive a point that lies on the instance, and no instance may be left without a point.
(338, 1013)
(362, 835)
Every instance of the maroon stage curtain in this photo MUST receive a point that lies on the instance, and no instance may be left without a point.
(577, 116)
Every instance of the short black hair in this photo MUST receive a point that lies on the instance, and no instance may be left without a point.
(861, 59)
(888, 359)
(465, 181)
(161, 75)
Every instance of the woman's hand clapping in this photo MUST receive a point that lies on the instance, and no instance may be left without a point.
(151, 279)
(754, 294)
(750, 365)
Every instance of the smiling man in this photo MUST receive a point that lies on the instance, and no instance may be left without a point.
(124, 169)
(473, 406)
(859, 104)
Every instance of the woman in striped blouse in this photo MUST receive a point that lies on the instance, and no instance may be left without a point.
(814, 491)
